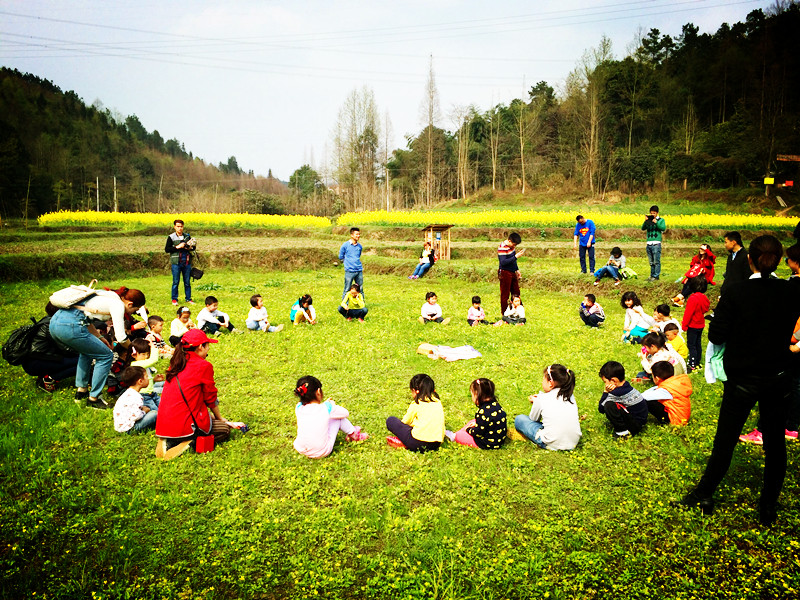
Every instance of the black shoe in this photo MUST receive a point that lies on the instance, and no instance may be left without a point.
(695, 500)
(767, 515)
(98, 404)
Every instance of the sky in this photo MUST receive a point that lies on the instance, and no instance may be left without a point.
(264, 80)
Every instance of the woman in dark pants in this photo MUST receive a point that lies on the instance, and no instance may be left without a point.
(754, 320)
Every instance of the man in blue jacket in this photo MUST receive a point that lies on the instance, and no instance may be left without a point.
(350, 255)
(584, 233)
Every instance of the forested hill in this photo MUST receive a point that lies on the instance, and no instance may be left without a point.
(54, 147)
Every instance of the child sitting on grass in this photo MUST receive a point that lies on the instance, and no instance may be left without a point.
(319, 420)
(475, 314)
(591, 312)
(431, 311)
(302, 311)
(180, 325)
(662, 318)
(675, 340)
(553, 423)
(156, 325)
(637, 322)
(130, 412)
(145, 356)
(422, 427)
(670, 401)
(489, 428)
(257, 318)
(622, 405)
(654, 349)
(212, 320)
(353, 305)
(515, 313)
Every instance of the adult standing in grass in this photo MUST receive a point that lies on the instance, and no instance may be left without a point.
(179, 246)
(754, 320)
(508, 272)
(350, 255)
(584, 238)
(737, 268)
(72, 328)
(655, 227)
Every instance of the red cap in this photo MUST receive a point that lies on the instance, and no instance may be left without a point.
(196, 337)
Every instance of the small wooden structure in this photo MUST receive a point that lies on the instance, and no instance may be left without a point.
(433, 234)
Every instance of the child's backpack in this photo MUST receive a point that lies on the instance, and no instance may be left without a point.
(628, 273)
(68, 297)
(18, 345)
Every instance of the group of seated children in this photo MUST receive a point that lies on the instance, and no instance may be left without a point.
(136, 408)
(553, 422)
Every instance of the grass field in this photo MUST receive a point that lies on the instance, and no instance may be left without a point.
(89, 513)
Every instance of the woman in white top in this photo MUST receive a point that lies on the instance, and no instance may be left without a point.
(72, 327)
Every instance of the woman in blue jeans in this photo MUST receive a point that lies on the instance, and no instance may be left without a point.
(72, 327)
(425, 262)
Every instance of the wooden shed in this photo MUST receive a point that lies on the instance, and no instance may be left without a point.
(435, 235)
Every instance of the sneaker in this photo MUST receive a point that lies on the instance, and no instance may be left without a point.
(790, 435)
(421, 320)
(617, 282)
(446, 321)
(357, 436)
(754, 437)
(411, 277)
(190, 302)
(279, 328)
(97, 404)
(360, 320)
(46, 383)
(450, 435)
(694, 500)
(394, 441)
(349, 318)
(174, 303)
(81, 396)
(597, 282)
(622, 434)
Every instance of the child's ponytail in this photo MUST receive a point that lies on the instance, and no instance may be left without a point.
(425, 388)
(306, 388)
(564, 380)
(483, 389)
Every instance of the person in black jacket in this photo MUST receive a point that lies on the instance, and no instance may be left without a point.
(47, 360)
(737, 268)
(755, 320)
(179, 246)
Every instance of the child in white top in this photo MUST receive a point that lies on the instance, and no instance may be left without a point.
(212, 320)
(180, 325)
(515, 313)
(553, 423)
(257, 318)
(156, 325)
(130, 413)
(475, 314)
(320, 420)
(656, 349)
(637, 323)
(431, 311)
(145, 356)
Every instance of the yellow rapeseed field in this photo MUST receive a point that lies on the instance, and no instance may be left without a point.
(531, 218)
(136, 220)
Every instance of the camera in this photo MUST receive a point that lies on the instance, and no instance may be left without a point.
(649, 217)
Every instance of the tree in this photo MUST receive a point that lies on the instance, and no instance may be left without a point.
(305, 182)
(431, 114)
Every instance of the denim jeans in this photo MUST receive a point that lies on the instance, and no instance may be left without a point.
(528, 427)
(69, 326)
(609, 271)
(151, 400)
(654, 256)
(421, 269)
(148, 421)
(186, 271)
(351, 277)
(256, 325)
(582, 250)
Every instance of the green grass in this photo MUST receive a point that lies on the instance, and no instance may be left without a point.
(87, 512)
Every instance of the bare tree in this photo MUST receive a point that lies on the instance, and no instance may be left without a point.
(431, 114)
(494, 142)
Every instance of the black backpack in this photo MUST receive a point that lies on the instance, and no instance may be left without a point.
(18, 345)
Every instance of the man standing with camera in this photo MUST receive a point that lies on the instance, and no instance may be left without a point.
(179, 247)
(655, 227)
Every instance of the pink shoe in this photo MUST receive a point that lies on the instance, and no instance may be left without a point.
(790, 435)
(754, 437)
(394, 442)
(357, 436)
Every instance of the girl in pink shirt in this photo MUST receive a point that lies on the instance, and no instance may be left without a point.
(319, 420)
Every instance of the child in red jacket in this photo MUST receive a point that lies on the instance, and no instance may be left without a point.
(694, 319)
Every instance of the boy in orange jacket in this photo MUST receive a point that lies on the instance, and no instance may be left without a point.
(670, 399)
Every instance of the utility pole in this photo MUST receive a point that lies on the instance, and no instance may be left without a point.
(98, 194)
(159, 192)
(116, 206)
